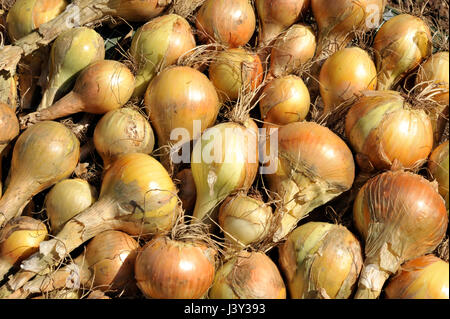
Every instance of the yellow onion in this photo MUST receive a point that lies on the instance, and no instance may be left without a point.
(248, 275)
(159, 43)
(71, 52)
(223, 161)
(345, 74)
(137, 10)
(122, 131)
(27, 15)
(382, 128)
(284, 100)
(275, 16)
(19, 239)
(321, 257)
(66, 199)
(103, 86)
(186, 185)
(433, 74)
(438, 167)
(244, 220)
(176, 98)
(338, 21)
(229, 22)
(400, 216)
(8, 89)
(313, 166)
(174, 269)
(43, 155)
(425, 277)
(234, 70)
(400, 45)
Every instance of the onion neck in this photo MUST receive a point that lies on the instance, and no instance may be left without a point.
(16, 197)
(5, 266)
(207, 209)
(371, 282)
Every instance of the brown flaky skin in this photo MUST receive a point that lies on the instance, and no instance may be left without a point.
(401, 216)
(229, 22)
(169, 269)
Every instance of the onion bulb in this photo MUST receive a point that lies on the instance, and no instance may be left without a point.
(321, 256)
(235, 70)
(313, 166)
(292, 49)
(400, 216)
(159, 43)
(345, 74)
(71, 52)
(122, 131)
(438, 167)
(248, 275)
(137, 10)
(425, 277)
(19, 239)
(103, 86)
(27, 15)
(174, 269)
(284, 100)
(383, 128)
(400, 45)
(228, 22)
(244, 220)
(47, 140)
(275, 16)
(66, 199)
(186, 185)
(8, 89)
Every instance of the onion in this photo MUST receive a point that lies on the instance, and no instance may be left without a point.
(159, 43)
(174, 269)
(438, 167)
(122, 131)
(248, 275)
(138, 10)
(400, 46)
(292, 49)
(19, 239)
(9, 129)
(275, 16)
(66, 199)
(339, 20)
(47, 140)
(320, 256)
(8, 89)
(178, 97)
(313, 166)
(186, 185)
(229, 22)
(425, 277)
(101, 87)
(383, 128)
(345, 74)
(71, 52)
(234, 70)
(284, 100)
(401, 216)
(27, 15)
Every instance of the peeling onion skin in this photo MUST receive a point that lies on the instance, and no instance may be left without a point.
(320, 256)
(138, 10)
(401, 216)
(424, 277)
(248, 275)
(170, 269)
(438, 168)
(228, 22)
(400, 45)
(383, 129)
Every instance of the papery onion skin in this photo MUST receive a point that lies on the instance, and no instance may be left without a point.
(228, 22)
(285, 100)
(438, 168)
(345, 74)
(248, 275)
(400, 216)
(319, 256)
(159, 43)
(314, 165)
(8, 90)
(187, 189)
(234, 70)
(170, 269)
(400, 45)
(138, 10)
(9, 125)
(424, 277)
(382, 128)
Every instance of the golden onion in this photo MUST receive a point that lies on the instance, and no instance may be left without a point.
(438, 167)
